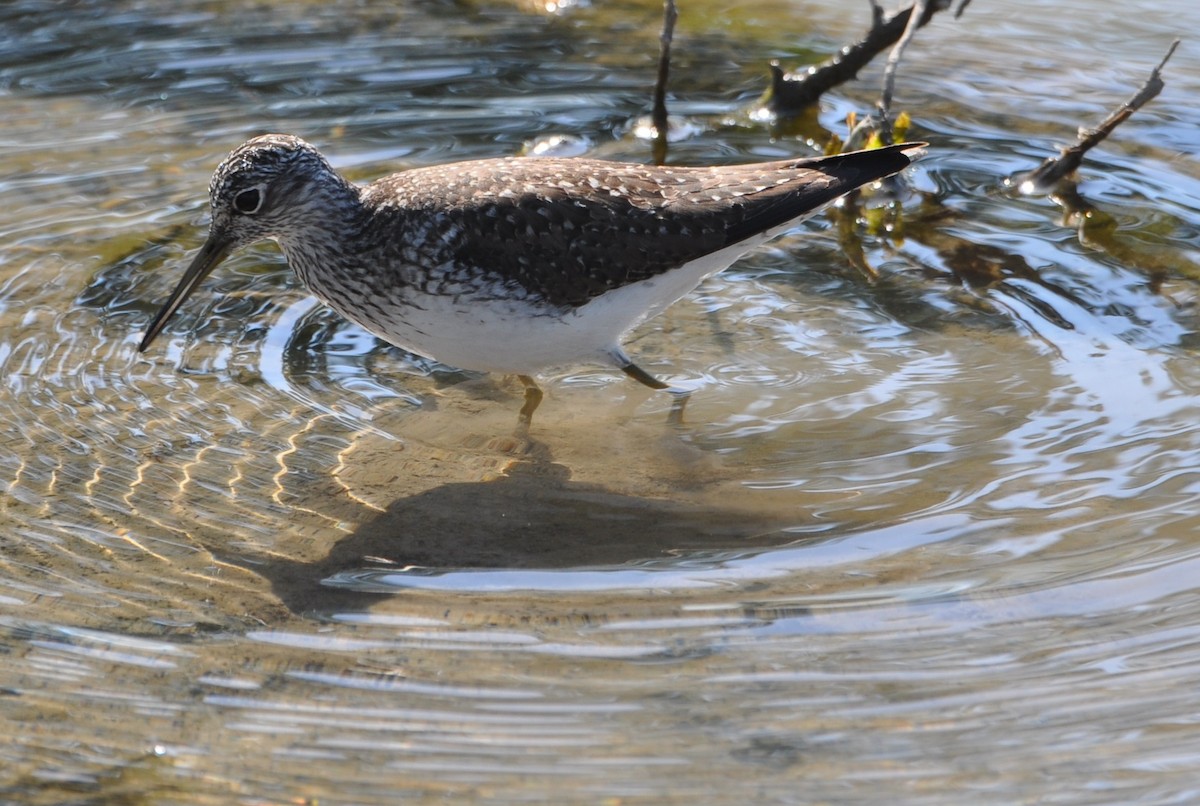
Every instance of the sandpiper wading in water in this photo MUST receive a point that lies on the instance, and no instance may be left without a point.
(510, 265)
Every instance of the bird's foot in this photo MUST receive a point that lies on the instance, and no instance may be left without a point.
(679, 401)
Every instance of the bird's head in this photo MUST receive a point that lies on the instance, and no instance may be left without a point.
(266, 188)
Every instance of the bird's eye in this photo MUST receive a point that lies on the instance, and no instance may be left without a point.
(249, 201)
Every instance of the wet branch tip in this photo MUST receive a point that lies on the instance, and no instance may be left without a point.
(1055, 169)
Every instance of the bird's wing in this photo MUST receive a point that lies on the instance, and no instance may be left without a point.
(602, 225)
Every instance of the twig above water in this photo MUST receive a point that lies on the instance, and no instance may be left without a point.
(1055, 169)
(919, 11)
(790, 94)
(658, 116)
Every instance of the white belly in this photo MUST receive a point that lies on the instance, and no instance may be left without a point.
(489, 336)
(520, 338)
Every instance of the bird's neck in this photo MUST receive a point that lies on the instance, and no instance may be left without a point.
(321, 242)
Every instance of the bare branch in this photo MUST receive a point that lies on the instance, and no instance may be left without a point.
(1054, 169)
(658, 117)
(889, 73)
(789, 94)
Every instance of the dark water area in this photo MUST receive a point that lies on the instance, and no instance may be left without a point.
(928, 531)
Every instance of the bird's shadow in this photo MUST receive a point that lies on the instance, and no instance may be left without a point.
(534, 517)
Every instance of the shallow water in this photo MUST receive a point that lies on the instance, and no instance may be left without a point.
(932, 534)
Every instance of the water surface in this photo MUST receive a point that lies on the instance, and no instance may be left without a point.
(931, 533)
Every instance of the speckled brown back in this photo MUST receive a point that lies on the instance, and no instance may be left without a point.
(567, 230)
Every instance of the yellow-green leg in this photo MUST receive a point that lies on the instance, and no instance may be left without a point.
(680, 397)
(533, 399)
(642, 376)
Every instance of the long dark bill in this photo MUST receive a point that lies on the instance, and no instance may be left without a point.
(213, 252)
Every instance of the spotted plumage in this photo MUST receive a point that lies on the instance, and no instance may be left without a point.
(510, 265)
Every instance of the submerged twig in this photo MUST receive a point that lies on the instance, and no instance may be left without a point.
(789, 94)
(1102, 231)
(1054, 169)
(658, 116)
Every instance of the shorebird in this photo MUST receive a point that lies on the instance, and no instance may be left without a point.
(510, 265)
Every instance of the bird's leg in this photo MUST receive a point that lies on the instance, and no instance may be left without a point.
(679, 400)
(680, 397)
(642, 376)
(533, 398)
